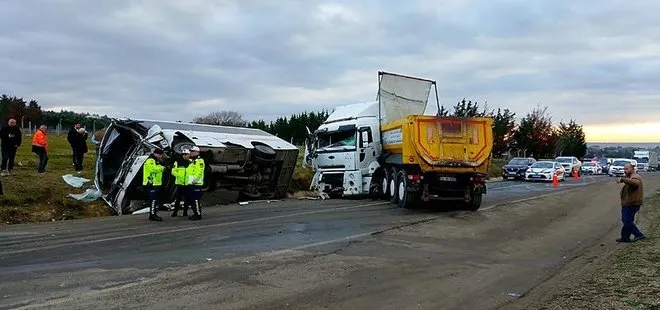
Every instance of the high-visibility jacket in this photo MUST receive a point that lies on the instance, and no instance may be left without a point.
(40, 139)
(179, 171)
(152, 173)
(195, 172)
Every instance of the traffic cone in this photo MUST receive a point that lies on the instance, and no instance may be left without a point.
(555, 180)
(576, 175)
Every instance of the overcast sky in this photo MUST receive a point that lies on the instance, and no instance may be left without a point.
(595, 61)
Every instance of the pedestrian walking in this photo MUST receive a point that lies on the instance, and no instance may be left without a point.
(195, 176)
(179, 173)
(40, 147)
(11, 139)
(632, 198)
(152, 180)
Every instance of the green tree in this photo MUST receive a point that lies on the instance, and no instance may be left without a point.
(468, 108)
(535, 136)
(504, 125)
(571, 139)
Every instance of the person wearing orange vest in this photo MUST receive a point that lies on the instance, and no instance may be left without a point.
(40, 147)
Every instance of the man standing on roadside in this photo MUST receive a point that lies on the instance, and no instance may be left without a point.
(73, 137)
(152, 180)
(195, 182)
(632, 197)
(179, 173)
(40, 147)
(11, 139)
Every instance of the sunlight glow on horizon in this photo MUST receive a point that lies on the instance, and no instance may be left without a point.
(623, 133)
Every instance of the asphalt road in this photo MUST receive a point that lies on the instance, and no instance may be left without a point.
(217, 263)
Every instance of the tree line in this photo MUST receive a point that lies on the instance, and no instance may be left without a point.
(534, 135)
(29, 112)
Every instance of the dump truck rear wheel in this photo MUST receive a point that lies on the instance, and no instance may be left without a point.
(475, 202)
(407, 199)
(393, 186)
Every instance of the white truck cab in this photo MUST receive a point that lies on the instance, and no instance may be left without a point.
(345, 149)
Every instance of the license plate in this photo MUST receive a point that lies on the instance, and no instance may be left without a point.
(448, 179)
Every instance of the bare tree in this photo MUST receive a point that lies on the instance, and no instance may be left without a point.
(222, 118)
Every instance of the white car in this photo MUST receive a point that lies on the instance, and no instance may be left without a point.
(592, 168)
(616, 168)
(543, 171)
(571, 164)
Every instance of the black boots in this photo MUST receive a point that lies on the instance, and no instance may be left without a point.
(153, 212)
(197, 211)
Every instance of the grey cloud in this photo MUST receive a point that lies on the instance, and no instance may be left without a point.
(162, 59)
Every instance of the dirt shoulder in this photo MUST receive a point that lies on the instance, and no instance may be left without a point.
(610, 275)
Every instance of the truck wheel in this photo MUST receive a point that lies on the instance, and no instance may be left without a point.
(385, 186)
(263, 154)
(474, 204)
(393, 186)
(407, 200)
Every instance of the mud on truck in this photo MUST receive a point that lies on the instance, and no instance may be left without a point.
(388, 149)
(249, 161)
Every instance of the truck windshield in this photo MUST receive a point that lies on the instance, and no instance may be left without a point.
(337, 139)
(642, 160)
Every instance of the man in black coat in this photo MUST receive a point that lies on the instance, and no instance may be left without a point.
(11, 139)
(71, 138)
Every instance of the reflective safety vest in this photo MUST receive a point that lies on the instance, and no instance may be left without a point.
(180, 173)
(195, 172)
(152, 174)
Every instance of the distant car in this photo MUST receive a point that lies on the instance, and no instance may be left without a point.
(571, 164)
(544, 170)
(516, 167)
(592, 168)
(616, 168)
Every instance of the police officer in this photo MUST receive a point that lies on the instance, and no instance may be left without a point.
(179, 173)
(195, 176)
(152, 180)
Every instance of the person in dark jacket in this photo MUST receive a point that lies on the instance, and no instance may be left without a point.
(78, 141)
(11, 139)
(71, 138)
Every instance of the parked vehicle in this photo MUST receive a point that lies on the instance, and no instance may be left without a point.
(544, 170)
(592, 167)
(616, 168)
(646, 160)
(249, 161)
(389, 149)
(516, 168)
(571, 164)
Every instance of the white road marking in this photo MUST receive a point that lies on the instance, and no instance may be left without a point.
(192, 228)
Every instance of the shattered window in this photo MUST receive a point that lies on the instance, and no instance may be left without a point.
(338, 139)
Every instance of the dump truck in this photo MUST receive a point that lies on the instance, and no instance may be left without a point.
(389, 149)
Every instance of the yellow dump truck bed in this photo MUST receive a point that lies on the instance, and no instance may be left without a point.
(440, 144)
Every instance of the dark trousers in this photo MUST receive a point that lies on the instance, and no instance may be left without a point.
(43, 158)
(153, 199)
(181, 194)
(193, 197)
(78, 157)
(8, 157)
(628, 219)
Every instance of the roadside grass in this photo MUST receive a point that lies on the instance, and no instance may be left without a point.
(630, 279)
(496, 167)
(32, 197)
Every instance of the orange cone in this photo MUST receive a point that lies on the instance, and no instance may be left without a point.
(576, 175)
(555, 180)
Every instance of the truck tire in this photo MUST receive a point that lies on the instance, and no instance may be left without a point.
(393, 185)
(406, 199)
(474, 204)
(263, 153)
(385, 185)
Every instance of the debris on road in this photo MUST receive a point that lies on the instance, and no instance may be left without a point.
(514, 295)
(89, 195)
(243, 203)
(312, 196)
(74, 181)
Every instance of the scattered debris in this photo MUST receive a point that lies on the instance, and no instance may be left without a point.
(316, 196)
(141, 211)
(243, 203)
(514, 295)
(209, 259)
(74, 181)
(89, 195)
